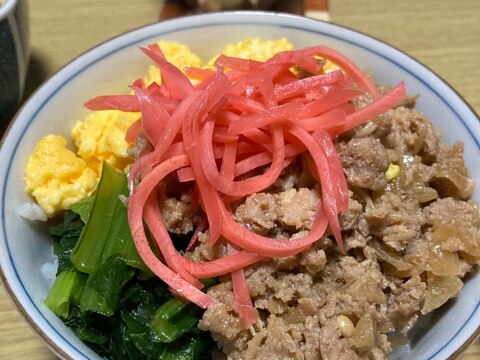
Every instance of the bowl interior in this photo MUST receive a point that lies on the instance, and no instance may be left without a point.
(110, 67)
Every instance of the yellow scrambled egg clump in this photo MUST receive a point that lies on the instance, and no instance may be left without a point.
(101, 137)
(329, 67)
(56, 177)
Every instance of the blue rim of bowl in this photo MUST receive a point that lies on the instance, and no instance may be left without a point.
(21, 309)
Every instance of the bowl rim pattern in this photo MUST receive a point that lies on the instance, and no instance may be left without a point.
(117, 43)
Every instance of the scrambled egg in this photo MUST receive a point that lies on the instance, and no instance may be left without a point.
(329, 67)
(255, 49)
(101, 137)
(56, 177)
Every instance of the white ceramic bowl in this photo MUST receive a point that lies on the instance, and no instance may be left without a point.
(110, 67)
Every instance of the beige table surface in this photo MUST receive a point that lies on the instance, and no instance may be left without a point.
(442, 34)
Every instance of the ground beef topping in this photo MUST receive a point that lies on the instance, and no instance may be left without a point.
(409, 239)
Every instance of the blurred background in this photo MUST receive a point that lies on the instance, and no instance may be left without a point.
(439, 33)
(442, 34)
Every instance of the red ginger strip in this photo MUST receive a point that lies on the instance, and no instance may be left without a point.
(220, 134)
(190, 270)
(140, 168)
(313, 83)
(135, 220)
(175, 81)
(133, 131)
(336, 169)
(332, 98)
(346, 65)
(255, 159)
(292, 58)
(243, 65)
(154, 117)
(198, 73)
(228, 160)
(190, 132)
(127, 103)
(250, 241)
(331, 119)
(330, 196)
(258, 136)
(264, 158)
(242, 103)
(154, 221)
(266, 117)
(242, 301)
(201, 227)
(263, 85)
(241, 187)
(371, 111)
(187, 109)
(130, 103)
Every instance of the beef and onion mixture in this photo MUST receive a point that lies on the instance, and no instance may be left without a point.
(410, 236)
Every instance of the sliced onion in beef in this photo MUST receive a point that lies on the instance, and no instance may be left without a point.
(364, 335)
(443, 262)
(439, 290)
(362, 288)
(452, 183)
(425, 193)
(391, 257)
